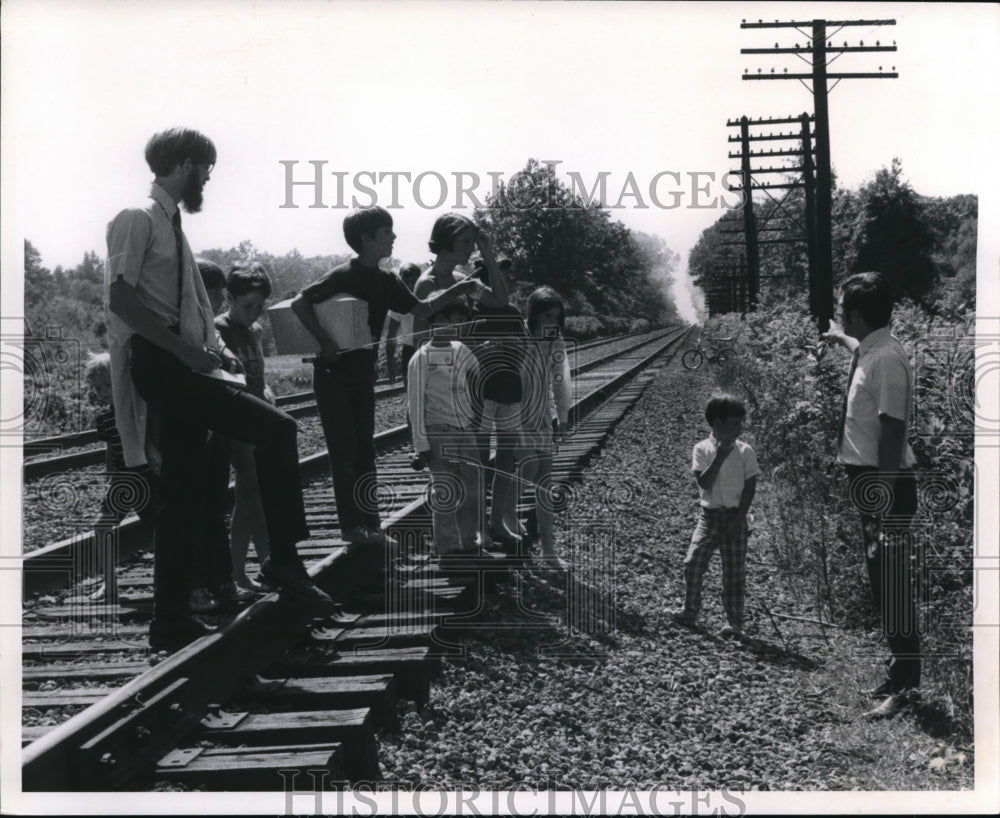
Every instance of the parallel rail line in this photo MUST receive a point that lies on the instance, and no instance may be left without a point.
(82, 554)
(298, 404)
(332, 682)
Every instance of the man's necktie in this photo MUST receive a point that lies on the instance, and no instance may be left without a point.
(179, 241)
(847, 391)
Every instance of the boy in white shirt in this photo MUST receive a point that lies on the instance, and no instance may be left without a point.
(441, 382)
(726, 470)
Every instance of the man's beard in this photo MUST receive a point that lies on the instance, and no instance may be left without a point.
(192, 193)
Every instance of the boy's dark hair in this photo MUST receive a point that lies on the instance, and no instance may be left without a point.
(724, 406)
(364, 222)
(450, 312)
(505, 264)
(248, 277)
(409, 271)
(168, 149)
(871, 295)
(446, 229)
(211, 274)
(542, 299)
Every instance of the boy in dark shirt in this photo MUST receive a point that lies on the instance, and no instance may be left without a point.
(344, 380)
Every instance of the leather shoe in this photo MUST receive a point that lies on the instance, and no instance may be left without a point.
(173, 633)
(293, 580)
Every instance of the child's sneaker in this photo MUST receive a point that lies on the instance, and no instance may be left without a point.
(231, 595)
(202, 601)
(730, 630)
(682, 617)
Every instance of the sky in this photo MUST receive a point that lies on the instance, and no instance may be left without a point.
(454, 95)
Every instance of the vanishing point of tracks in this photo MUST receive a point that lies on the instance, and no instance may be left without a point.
(275, 690)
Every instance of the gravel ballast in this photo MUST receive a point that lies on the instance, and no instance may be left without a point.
(631, 699)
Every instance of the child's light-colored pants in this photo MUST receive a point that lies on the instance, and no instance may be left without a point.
(456, 490)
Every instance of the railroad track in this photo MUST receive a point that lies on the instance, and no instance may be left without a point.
(85, 553)
(309, 694)
(41, 459)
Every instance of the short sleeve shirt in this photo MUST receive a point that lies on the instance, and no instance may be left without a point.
(382, 291)
(882, 385)
(244, 343)
(739, 466)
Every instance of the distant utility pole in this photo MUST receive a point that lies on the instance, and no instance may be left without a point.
(819, 45)
(751, 229)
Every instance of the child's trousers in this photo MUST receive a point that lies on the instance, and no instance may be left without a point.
(708, 535)
(456, 491)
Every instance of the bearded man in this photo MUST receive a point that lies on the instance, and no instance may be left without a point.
(165, 355)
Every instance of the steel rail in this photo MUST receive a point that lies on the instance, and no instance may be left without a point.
(299, 404)
(73, 558)
(118, 737)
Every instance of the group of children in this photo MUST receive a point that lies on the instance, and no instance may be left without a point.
(466, 377)
(477, 371)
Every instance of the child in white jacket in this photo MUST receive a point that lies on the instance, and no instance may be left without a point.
(442, 376)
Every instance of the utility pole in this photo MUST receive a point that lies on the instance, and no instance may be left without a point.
(752, 228)
(809, 182)
(749, 229)
(819, 47)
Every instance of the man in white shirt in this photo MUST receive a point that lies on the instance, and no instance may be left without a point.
(874, 451)
(165, 354)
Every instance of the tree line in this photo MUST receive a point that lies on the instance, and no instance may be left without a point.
(925, 245)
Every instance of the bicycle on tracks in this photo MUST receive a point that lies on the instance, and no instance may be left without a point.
(694, 358)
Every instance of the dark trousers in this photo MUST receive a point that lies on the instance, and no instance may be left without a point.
(347, 411)
(405, 354)
(189, 405)
(213, 562)
(885, 524)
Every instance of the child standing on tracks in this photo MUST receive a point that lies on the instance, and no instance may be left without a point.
(442, 378)
(545, 375)
(344, 381)
(726, 470)
(212, 568)
(248, 287)
(130, 488)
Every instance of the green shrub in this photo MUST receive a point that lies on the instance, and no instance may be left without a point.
(794, 393)
(582, 327)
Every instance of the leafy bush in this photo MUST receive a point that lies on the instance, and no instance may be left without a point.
(794, 392)
(582, 327)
